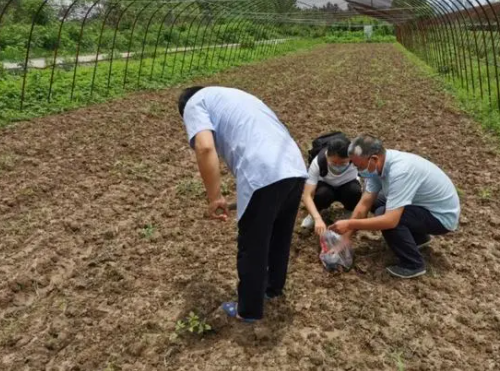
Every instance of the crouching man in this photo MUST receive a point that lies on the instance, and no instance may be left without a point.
(411, 198)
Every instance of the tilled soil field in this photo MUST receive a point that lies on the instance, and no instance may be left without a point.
(103, 244)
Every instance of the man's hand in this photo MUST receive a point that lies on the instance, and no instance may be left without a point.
(218, 209)
(319, 226)
(340, 226)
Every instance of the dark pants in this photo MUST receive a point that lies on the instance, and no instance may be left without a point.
(264, 237)
(348, 194)
(413, 229)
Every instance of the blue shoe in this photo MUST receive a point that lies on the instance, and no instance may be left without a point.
(231, 309)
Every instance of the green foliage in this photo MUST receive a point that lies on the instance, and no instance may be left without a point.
(191, 324)
(45, 38)
(148, 74)
(190, 188)
(148, 231)
(398, 360)
(358, 37)
(484, 108)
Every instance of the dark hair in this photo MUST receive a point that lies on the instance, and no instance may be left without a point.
(338, 146)
(186, 96)
(366, 145)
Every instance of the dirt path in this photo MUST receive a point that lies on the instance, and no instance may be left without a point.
(103, 245)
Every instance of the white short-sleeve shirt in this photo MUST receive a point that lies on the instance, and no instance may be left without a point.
(335, 180)
(255, 145)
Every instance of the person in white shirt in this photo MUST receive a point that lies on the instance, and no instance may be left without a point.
(270, 174)
(339, 183)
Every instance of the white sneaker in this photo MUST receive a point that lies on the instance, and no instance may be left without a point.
(308, 222)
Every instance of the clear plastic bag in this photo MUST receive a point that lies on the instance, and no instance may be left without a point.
(333, 257)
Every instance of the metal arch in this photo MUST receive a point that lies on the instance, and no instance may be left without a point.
(144, 41)
(446, 32)
(493, 48)
(4, 10)
(28, 48)
(179, 39)
(221, 15)
(78, 46)
(251, 21)
(468, 45)
(170, 12)
(111, 8)
(230, 22)
(244, 9)
(444, 15)
(270, 45)
(132, 40)
(238, 25)
(170, 38)
(186, 43)
(266, 43)
(463, 50)
(214, 22)
(474, 8)
(54, 63)
(194, 44)
(112, 52)
(451, 27)
(477, 50)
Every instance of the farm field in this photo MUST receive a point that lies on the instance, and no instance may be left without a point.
(104, 246)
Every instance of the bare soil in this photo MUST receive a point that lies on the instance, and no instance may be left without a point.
(103, 244)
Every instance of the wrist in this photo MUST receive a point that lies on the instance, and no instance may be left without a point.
(318, 218)
(214, 196)
(351, 225)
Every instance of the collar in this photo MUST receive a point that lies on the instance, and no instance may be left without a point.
(387, 163)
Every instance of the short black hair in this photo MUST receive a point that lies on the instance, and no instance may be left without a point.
(338, 146)
(186, 96)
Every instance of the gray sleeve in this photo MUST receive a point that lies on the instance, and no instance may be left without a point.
(373, 185)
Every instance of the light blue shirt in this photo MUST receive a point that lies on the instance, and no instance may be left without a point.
(255, 145)
(408, 179)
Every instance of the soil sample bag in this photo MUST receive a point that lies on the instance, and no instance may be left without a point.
(333, 257)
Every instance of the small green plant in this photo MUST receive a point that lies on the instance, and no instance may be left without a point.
(6, 162)
(190, 187)
(460, 193)
(192, 324)
(148, 231)
(224, 189)
(111, 367)
(330, 349)
(379, 102)
(485, 194)
(398, 359)
(156, 109)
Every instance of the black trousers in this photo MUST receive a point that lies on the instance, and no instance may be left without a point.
(264, 236)
(415, 225)
(348, 194)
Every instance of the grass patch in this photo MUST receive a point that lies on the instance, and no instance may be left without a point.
(480, 109)
(106, 80)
